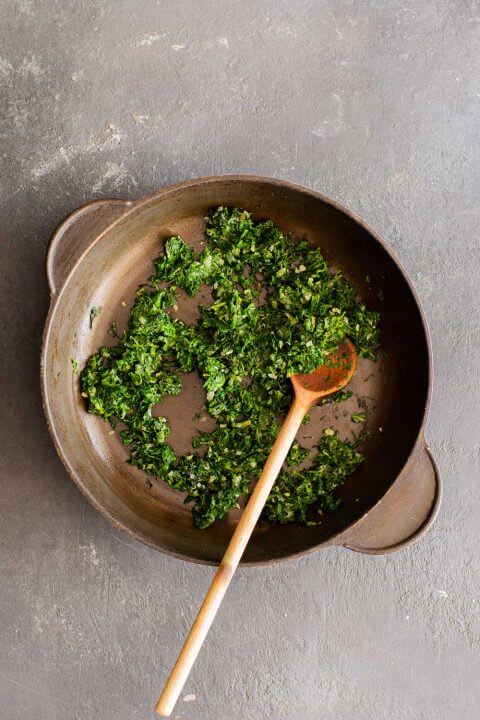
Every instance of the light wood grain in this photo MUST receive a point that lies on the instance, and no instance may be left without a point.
(308, 389)
(230, 561)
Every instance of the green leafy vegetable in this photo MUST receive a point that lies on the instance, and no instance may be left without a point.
(358, 417)
(276, 310)
(112, 330)
(294, 492)
(297, 455)
(94, 312)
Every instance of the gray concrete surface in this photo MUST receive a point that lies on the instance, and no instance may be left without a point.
(375, 103)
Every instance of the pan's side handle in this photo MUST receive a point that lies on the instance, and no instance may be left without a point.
(404, 514)
(76, 233)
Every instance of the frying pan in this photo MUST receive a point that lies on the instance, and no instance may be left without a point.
(98, 257)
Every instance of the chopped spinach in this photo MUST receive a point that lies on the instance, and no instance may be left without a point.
(94, 312)
(358, 417)
(295, 491)
(277, 309)
(297, 455)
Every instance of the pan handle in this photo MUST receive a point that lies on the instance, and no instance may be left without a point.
(404, 514)
(75, 235)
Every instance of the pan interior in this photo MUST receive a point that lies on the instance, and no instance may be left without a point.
(394, 390)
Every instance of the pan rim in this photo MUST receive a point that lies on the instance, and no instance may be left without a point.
(56, 297)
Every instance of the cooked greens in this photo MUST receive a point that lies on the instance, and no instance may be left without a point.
(277, 309)
(94, 312)
(358, 417)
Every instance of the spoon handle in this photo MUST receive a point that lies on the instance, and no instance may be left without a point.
(232, 557)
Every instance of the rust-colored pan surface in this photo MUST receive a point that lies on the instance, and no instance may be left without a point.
(99, 256)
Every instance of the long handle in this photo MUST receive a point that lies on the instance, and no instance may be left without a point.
(230, 561)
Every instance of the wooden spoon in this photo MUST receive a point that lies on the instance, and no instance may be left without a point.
(308, 389)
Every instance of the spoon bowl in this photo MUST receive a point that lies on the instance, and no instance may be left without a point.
(328, 378)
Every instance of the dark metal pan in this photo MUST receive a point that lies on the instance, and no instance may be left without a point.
(99, 256)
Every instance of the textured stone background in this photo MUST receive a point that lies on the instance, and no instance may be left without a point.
(375, 103)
